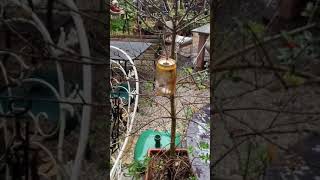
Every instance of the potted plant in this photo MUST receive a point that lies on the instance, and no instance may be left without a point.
(162, 165)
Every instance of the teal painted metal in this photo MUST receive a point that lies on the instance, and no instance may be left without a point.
(33, 91)
(120, 92)
(147, 141)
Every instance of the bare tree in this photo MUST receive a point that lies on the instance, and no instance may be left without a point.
(263, 91)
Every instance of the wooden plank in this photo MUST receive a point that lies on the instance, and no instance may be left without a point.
(97, 5)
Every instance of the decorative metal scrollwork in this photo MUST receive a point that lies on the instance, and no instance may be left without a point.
(124, 102)
(36, 106)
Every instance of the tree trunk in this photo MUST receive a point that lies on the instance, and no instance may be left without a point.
(173, 43)
(173, 125)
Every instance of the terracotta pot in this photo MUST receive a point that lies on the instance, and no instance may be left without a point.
(155, 152)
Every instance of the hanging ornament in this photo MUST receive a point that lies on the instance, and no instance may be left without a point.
(166, 75)
(115, 8)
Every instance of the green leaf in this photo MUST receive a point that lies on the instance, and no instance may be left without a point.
(201, 86)
(257, 28)
(192, 178)
(190, 149)
(188, 112)
(136, 168)
(292, 79)
(187, 70)
(117, 24)
(205, 157)
(203, 145)
(149, 85)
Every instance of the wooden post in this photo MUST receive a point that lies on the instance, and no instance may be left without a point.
(199, 65)
(291, 8)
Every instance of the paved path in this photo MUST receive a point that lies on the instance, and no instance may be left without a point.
(199, 132)
(308, 166)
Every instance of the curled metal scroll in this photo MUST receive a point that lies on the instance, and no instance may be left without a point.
(24, 133)
(132, 81)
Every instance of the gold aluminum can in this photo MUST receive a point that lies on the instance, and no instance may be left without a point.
(166, 76)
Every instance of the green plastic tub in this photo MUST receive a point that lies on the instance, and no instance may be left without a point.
(147, 141)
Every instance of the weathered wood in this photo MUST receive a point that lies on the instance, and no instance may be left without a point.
(290, 9)
(134, 38)
(97, 5)
(199, 65)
